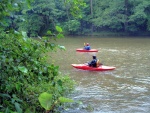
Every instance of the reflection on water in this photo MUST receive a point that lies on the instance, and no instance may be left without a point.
(125, 89)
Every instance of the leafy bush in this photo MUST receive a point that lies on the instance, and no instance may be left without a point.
(25, 73)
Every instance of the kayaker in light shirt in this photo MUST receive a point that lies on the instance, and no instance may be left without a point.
(87, 46)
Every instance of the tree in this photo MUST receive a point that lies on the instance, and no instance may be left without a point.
(74, 14)
(139, 16)
(41, 17)
(114, 15)
(91, 7)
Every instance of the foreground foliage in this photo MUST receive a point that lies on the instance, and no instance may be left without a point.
(25, 74)
(24, 71)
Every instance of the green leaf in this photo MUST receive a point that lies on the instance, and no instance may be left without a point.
(45, 100)
(59, 82)
(18, 86)
(59, 88)
(49, 32)
(62, 47)
(63, 99)
(28, 3)
(58, 29)
(17, 106)
(24, 34)
(23, 69)
(60, 36)
(4, 95)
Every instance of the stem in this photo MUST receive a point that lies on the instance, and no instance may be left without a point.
(52, 107)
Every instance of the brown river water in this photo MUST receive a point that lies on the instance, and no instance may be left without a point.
(125, 89)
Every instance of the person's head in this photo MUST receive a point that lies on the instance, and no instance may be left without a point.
(87, 44)
(94, 56)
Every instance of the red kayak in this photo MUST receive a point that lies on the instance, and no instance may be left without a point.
(83, 50)
(86, 67)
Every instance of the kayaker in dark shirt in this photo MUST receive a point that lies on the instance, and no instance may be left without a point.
(93, 63)
(87, 46)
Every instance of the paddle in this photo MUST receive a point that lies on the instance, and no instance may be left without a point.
(84, 43)
(86, 63)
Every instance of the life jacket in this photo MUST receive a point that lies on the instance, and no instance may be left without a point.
(98, 63)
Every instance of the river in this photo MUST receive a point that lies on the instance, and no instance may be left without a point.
(125, 89)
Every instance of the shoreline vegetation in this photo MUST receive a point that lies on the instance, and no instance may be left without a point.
(107, 33)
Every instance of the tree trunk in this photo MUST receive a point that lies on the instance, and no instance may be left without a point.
(91, 7)
(126, 16)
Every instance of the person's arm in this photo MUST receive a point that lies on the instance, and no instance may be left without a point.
(91, 63)
(85, 47)
(89, 47)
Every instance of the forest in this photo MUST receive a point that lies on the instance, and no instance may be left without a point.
(130, 17)
(28, 83)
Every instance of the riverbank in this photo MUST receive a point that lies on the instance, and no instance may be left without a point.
(110, 33)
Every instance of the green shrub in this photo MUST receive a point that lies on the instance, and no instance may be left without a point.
(25, 73)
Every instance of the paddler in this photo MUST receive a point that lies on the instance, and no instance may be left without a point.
(87, 46)
(95, 62)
